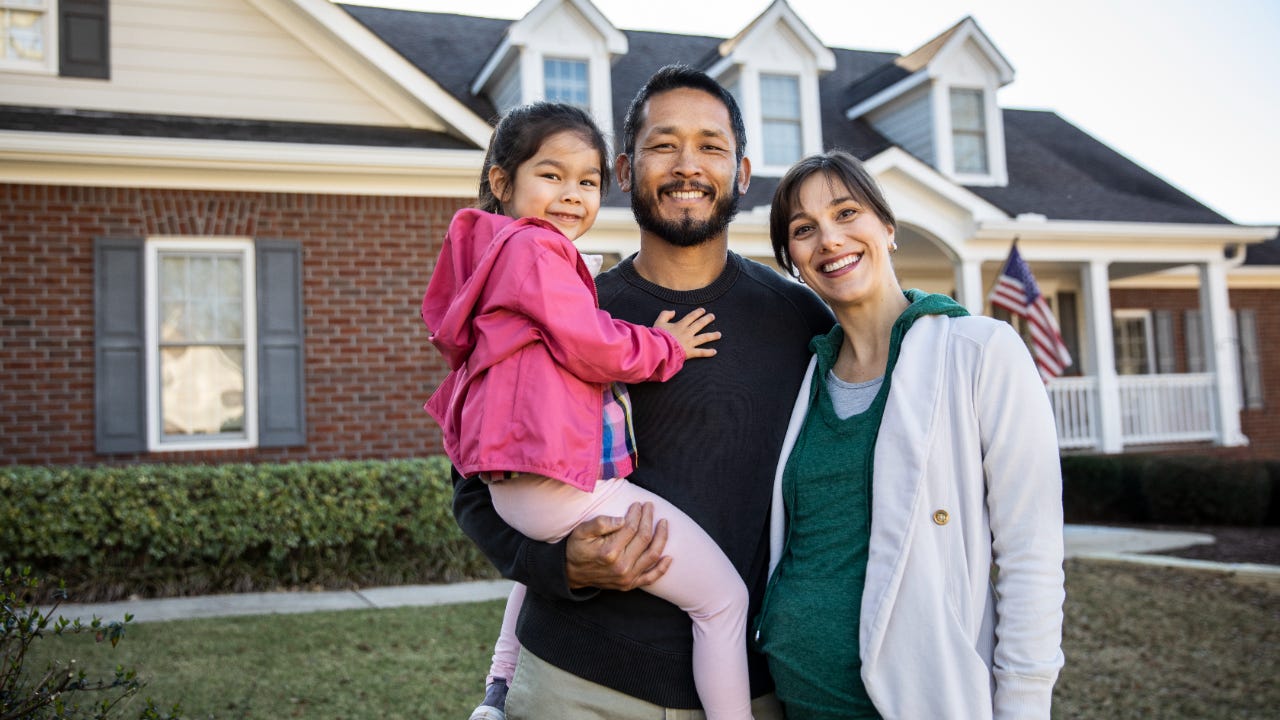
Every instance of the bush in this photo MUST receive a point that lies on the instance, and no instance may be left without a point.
(1273, 510)
(1199, 490)
(189, 529)
(1102, 488)
(55, 691)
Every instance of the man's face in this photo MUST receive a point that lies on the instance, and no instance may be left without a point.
(683, 176)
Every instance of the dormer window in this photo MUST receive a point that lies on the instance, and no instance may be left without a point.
(566, 82)
(968, 131)
(780, 119)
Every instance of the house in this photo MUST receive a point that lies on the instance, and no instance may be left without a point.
(217, 218)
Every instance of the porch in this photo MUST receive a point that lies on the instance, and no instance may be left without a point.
(1153, 409)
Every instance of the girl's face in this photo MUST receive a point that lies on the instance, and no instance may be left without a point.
(560, 184)
(839, 246)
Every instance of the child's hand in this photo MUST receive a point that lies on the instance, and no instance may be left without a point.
(688, 331)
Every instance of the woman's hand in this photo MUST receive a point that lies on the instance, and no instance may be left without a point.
(688, 331)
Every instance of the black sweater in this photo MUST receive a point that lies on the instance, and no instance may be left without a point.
(708, 442)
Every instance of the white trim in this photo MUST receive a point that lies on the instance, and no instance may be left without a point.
(779, 10)
(245, 248)
(63, 158)
(1129, 231)
(895, 157)
(368, 49)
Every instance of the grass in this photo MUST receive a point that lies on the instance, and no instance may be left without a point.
(1140, 643)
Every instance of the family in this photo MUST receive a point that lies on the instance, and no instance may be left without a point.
(724, 493)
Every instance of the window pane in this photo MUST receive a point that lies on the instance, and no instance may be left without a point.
(202, 390)
(970, 152)
(23, 34)
(1250, 359)
(566, 81)
(781, 142)
(780, 97)
(967, 110)
(202, 328)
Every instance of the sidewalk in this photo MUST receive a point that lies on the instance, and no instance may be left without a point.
(1081, 541)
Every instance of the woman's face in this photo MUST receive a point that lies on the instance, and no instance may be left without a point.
(839, 246)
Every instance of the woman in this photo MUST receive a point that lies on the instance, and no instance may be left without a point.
(919, 469)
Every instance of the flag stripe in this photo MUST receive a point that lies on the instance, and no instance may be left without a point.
(1016, 291)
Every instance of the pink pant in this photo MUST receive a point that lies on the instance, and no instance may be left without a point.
(701, 580)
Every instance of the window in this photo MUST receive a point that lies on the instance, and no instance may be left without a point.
(566, 82)
(1131, 330)
(198, 344)
(199, 328)
(968, 131)
(780, 114)
(26, 28)
(1195, 342)
(1250, 360)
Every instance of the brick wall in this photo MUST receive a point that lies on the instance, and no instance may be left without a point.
(1262, 425)
(366, 262)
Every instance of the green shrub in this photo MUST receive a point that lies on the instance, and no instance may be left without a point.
(188, 529)
(56, 690)
(1102, 488)
(1273, 509)
(1201, 490)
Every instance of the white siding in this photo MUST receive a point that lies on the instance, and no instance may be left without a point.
(908, 121)
(506, 94)
(219, 58)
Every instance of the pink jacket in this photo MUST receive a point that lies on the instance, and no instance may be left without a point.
(513, 309)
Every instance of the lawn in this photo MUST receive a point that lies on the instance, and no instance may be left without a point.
(1140, 643)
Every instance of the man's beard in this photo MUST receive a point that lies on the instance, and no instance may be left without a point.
(684, 231)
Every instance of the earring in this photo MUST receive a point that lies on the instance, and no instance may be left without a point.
(893, 246)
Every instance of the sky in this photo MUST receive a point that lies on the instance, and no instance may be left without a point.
(1188, 89)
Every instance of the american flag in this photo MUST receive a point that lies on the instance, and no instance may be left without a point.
(1017, 292)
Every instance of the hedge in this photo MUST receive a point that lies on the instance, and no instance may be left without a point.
(1170, 489)
(147, 530)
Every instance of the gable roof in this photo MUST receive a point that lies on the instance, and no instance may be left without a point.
(1264, 253)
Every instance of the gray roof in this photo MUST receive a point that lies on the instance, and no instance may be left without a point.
(1264, 253)
(1055, 169)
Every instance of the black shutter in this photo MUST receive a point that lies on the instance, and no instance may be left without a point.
(281, 387)
(84, 39)
(120, 389)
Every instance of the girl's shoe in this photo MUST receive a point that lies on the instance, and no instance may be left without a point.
(495, 702)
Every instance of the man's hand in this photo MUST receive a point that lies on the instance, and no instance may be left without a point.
(613, 553)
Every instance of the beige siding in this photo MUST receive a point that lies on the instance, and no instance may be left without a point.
(220, 58)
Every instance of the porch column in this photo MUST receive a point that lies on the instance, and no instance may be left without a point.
(1220, 350)
(969, 285)
(1097, 291)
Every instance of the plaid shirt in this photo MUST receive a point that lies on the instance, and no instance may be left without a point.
(619, 434)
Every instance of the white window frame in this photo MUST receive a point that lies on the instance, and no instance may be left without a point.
(1249, 353)
(245, 248)
(797, 121)
(984, 131)
(49, 64)
(1148, 339)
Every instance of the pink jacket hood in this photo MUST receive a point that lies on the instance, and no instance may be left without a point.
(513, 309)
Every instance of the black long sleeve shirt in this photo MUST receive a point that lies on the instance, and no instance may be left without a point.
(708, 442)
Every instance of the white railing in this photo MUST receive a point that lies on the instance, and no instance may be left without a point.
(1167, 408)
(1075, 408)
(1153, 409)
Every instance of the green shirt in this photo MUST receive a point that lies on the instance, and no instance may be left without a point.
(808, 627)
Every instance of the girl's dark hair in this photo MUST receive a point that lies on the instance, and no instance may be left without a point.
(840, 168)
(522, 131)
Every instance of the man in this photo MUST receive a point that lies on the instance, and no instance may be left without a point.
(708, 439)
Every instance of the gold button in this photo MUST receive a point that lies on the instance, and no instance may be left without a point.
(941, 517)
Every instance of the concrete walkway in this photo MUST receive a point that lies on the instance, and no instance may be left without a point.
(1081, 541)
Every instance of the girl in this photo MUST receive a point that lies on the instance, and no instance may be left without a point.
(533, 402)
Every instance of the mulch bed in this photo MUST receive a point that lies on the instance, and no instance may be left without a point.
(1233, 544)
